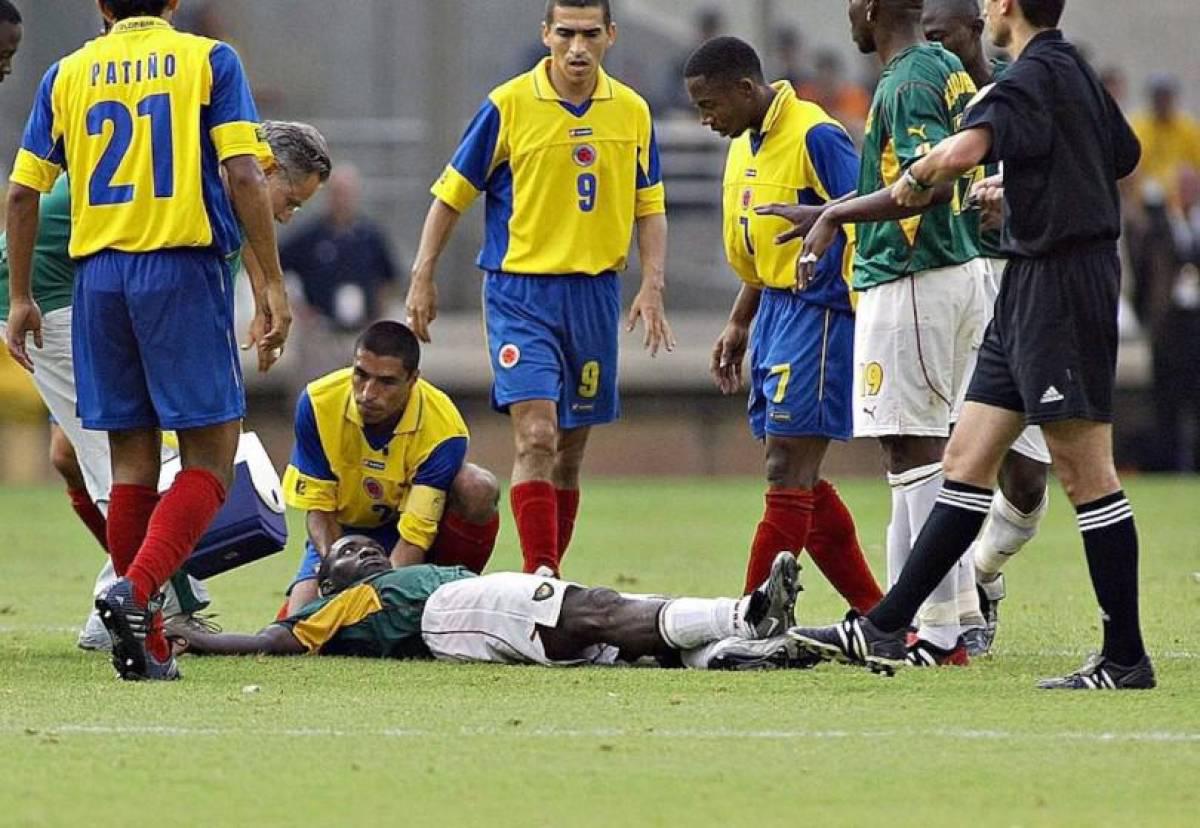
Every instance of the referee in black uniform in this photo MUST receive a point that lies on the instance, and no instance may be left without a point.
(1049, 357)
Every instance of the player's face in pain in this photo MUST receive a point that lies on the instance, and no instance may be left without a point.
(382, 387)
(860, 25)
(352, 559)
(725, 107)
(10, 41)
(289, 194)
(578, 40)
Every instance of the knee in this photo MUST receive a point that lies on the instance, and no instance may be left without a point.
(64, 460)
(1024, 483)
(1085, 481)
(588, 614)
(536, 437)
(786, 471)
(475, 494)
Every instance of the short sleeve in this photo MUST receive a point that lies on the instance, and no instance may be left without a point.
(41, 157)
(427, 500)
(231, 116)
(317, 628)
(309, 482)
(1127, 149)
(833, 160)
(1015, 110)
(920, 120)
(651, 194)
(466, 176)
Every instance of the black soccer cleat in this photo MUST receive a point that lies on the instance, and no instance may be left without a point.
(128, 624)
(772, 607)
(922, 653)
(855, 641)
(1098, 673)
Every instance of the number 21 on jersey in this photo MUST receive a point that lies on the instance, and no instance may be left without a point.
(153, 113)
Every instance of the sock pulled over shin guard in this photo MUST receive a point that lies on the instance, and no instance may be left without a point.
(90, 514)
(688, 623)
(462, 543)
(784, 527)
(1111, 543)
(834, 547)
(535, 510)
(568, 508)
(956, 519)
(129, 510)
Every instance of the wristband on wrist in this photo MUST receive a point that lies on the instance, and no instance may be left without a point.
(913, 184)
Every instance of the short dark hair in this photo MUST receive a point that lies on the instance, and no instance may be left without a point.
(1043, 14)
(391, 339)
(122, 9)
(724, 58)
(9, 13)
(299, 149)
(606, 5)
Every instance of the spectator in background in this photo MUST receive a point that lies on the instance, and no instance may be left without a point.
(342, 258)
(844, 100)
(709, 23)
(790, 61)
(1170, 142)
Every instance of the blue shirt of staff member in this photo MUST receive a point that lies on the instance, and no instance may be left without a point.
(10, 36)
(381, 452)
(568, 160)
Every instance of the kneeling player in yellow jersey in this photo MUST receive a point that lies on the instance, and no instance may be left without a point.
(381, 452)
(802, 347)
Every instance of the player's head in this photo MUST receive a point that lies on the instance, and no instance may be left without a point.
(724, 78)
(870, 16)
(387, 360)
(1163, 91)
(956, 24)
(10, 36)
(116, 10)
(1002, 15)
(350, 560)
(302, 165)
(578, 34)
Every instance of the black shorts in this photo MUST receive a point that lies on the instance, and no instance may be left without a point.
(1051, 349)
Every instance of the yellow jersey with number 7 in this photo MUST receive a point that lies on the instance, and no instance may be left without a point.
(142, 118)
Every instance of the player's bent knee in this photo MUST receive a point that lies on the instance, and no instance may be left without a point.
(475, 494)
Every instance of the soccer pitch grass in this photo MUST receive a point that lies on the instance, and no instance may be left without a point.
(309, 741)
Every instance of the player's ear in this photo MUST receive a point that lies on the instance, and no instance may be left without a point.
(545, 34)
(104, 12)
(612, 35)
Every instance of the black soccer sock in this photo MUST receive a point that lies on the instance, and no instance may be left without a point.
(954, 522)
(1111, 542)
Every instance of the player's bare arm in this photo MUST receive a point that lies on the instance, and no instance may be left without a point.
(406, 554)
(421, 302)
(273, 640)
(648, 305)
(730, 350)
(948, 161)
(24, 317)
(323, 529)
(802, 216)
(252, 201)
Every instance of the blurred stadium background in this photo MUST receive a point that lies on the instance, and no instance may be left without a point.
(392, 83)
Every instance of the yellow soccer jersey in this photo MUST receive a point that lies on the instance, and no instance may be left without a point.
(564, 184)
(369, 481)
(143, 117)
(803, 156)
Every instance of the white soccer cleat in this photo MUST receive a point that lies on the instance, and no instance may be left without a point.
(94, 636)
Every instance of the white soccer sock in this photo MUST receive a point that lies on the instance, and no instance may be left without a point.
(1006, 531)
(688, 623)
(937, 620)
(899, 536)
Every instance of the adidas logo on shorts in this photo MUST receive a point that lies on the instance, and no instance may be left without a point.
(1052, 395)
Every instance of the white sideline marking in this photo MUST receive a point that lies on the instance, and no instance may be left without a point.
(956, 734)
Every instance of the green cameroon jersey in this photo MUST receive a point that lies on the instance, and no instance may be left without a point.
(379, 617)
(989, 240)
(919, 101)
(53, 270)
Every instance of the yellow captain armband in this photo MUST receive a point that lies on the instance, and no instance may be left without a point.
(33, 172)
(455, 190)
(422, 513)
(242, 138)
(651, 201)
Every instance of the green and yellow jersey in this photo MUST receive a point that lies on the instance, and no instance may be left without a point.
(800, 155)
(369, 480)
(564, 183)
(920, 101)
(379, 617)
(53, 277)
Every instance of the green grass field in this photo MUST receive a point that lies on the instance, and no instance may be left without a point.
(348, 742)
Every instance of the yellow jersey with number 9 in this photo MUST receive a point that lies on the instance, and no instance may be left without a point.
(142, 118)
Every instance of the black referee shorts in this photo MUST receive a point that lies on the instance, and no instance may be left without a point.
(1051, 349)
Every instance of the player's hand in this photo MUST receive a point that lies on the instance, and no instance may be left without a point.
(270, 326)
(421, 305)
(904, 195)
(802, 217)
(259, 325)
(988, 196)
(727, 357)
(24, 318)
(648, 305)
(819, 239)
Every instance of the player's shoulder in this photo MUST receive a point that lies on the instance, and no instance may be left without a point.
(514, 89)
(926, 62)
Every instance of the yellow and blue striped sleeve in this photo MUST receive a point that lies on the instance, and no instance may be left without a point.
(41, 157)
(231, 116)
(309, 482)
(651, 195)
(466, 176)
(427, 499)
(832, 172)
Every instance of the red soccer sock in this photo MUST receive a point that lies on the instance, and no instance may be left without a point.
(90, 514)
(568, 508)
(833, 546)
(784, 527)
(535, 507)
(461, 543)
(175, 527)
(129, 511)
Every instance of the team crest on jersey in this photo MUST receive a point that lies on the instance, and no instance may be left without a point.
(747, 198)
(544, 592)
(580, 132)
(584, 155)
(373, 488)
(510, 355)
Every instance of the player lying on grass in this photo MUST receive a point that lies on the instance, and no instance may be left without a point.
(368, 608)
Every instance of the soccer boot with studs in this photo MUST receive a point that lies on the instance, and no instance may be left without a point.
(128, 623)
(1099, 673)
(855, 640)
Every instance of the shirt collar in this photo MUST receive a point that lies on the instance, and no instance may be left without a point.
(785, 94)
(543, 90)
(139, 24)
(408, 421)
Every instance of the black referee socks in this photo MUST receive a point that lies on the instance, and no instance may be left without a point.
(1111, 542)
(954, 522)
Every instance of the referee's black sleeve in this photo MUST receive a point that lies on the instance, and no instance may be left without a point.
(1127, 150)
(1017, 112)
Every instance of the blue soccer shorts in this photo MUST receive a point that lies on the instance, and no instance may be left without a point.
(555, 338)
(153, 341)
(801, 369)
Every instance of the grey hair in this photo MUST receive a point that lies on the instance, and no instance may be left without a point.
(299, 149)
